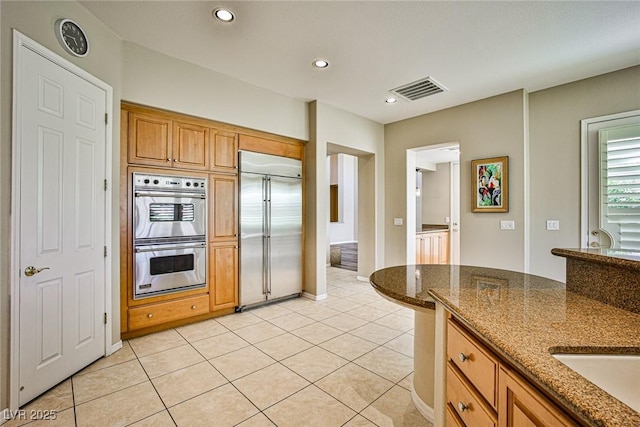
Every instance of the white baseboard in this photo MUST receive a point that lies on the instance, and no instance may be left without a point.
(343, 243)
(115, 347)
(314, 297)
(426, 410)
(362, 279)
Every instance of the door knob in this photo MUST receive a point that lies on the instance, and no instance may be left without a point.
(31, 270)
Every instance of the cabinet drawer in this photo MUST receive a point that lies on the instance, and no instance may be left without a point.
(452, 418)
(464, 402)
(475, 362)
(154, 314)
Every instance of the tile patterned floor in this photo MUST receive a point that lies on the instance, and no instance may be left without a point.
(345, 361)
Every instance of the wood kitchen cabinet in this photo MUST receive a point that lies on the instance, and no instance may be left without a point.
(432, 247)
(163, 142)
(522, 405)
(223, 207)
(159, 141)
(156, 313)
(223, 275)
(482, 390)
(223, 146)
(149, 140)
(190, 146)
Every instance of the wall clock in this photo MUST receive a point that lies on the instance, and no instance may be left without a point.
(72, 38)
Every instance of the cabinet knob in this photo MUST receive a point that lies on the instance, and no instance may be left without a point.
(175, 160)
(462, 407)
(150, 315)
(168, 159)
(463, 357)
(193, 307)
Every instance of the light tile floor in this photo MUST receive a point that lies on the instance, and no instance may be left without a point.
(343, 361)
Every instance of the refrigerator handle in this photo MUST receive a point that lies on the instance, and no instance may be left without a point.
(268, 263)
(264, 235)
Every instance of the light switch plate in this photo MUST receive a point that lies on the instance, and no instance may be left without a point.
(397, 221)
(553, 224)
(507, 225)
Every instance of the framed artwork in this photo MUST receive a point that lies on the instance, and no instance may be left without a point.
(490, 180)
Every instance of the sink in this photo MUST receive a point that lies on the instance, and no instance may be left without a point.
(617, 374)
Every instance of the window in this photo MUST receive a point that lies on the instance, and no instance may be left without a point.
(620, 185)
(611, 181)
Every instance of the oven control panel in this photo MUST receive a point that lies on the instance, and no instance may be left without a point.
(165, 182)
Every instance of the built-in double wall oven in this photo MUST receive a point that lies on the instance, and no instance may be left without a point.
(169, 236)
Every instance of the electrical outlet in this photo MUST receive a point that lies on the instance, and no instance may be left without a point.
(397, 221)
(507, 225)
(553, 224)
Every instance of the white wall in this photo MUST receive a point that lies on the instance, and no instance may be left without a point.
(351, 134)
(151, 78)
(345, 230)
(436, 194)
(555, 157)
(487, 128)
(36, 20)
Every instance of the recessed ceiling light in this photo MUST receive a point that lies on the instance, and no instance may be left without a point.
(320, 63)
(391, 100)
(224, 15)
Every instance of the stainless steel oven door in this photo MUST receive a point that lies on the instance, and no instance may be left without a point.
(165, 214)
(167, 268)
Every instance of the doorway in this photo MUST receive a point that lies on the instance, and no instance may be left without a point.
(433, 201)
(60, 284)
(343, 207)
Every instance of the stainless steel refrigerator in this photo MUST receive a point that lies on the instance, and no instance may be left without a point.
(270, 228)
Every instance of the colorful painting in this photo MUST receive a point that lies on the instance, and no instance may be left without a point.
(490, 180)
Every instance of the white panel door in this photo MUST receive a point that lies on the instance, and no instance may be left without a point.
(61, 148)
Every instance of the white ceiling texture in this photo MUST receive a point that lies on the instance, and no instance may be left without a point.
(475, 49)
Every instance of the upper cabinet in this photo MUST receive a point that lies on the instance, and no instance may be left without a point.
(171, 140)
(190, 146)
(223, 147)
(158, 141)
(149, 140)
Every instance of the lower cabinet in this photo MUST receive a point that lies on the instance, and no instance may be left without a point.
(482, 390)
(522, 405)
(432, 248)
(223, 275)
(163, 312)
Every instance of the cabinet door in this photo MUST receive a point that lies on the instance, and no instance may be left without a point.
(223, 275)
(520, 405)
(443, 247)
(224, 150)
(223, 207)
(419, 250)
(149, 140)
(427, 251)
(190, 146)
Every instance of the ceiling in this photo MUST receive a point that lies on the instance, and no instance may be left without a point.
(475, 49)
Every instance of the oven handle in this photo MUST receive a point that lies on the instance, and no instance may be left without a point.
(170, 248)
(173, 195)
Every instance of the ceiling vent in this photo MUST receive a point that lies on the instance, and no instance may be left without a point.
(419, 89)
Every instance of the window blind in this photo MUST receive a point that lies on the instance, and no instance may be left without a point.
(620, 185)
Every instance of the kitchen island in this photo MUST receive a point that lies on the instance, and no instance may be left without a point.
(521, 320)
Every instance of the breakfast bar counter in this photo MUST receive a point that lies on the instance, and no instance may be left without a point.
(523, 319)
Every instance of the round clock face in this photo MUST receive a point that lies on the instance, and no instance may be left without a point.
(71, 37)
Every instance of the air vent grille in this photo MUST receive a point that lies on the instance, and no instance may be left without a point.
(419, 89)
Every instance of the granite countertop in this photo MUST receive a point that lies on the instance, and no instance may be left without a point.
(524, 318)
(614, 257)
